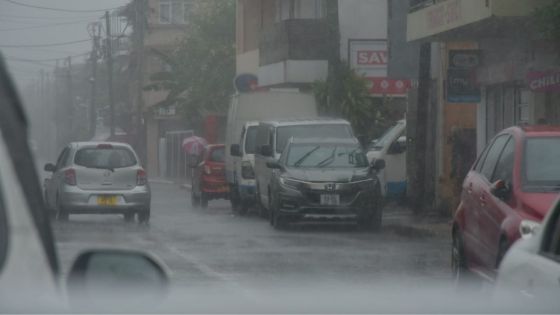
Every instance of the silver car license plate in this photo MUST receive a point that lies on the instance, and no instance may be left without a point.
(330, 200)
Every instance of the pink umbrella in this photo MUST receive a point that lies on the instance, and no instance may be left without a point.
(194, 145)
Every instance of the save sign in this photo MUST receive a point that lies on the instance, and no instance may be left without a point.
(372, 57)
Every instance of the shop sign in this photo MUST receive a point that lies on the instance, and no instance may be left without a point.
(444, 15)
(368, 57)
(386, 86)
(544, 81)
(462, 86)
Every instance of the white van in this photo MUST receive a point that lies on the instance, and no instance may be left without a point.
(391, 147)
(272, 137)
(245, 110)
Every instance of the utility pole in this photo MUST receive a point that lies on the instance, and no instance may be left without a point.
(96, 30)
(420, 141)
(70, 113)
(140, 18)
(109, 57)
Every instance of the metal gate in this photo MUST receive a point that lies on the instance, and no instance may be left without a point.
(176, 158)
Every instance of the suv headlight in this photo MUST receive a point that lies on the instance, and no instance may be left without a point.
(247, 171)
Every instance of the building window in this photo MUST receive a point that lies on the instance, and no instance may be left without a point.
(174, 11)
(300, 9)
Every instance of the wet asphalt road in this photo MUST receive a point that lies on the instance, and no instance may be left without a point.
(214, 248)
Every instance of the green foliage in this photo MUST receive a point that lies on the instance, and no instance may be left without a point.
(345, 94)
(548, 21)
(202, 67)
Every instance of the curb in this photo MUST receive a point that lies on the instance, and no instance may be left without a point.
(186, 186)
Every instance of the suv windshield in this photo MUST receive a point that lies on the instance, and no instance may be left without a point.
(326, 155)
(105, 158)
(251, 140)
(541, 167)
(311, 131)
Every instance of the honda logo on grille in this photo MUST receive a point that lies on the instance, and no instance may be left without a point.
(330, 187)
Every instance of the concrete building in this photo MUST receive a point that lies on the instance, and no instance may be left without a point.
(490, 71)
(159, 24)
(286, 42)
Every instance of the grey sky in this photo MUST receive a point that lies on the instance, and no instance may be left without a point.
(72, 27)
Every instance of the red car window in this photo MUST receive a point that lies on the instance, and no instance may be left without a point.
(493, 155)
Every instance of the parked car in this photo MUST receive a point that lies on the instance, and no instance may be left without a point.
(209, 178)
(245, 110)
(272, 137)
(391, 147)
(325, 179)
(242, 192)
(30, 271)
(515, 179)
(530, 271)
(98, 177)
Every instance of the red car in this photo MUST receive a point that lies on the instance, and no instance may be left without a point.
(209, 177)
(515, 179)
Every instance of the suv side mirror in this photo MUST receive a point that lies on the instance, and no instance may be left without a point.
(500, 189)
(275, 165)
(266, 150)
(109, 278)
(235, 150)
(378, 164)
(49, 167)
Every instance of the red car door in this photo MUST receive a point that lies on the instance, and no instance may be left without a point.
(498, 208)
(488, 211)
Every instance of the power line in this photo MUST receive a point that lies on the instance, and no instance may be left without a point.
(2, 16)
(58, 9)
(40, 26)
(45, 60)
(45, 45)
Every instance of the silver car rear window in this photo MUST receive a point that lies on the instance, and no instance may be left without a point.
(105, 158)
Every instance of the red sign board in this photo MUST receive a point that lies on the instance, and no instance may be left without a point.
(544, 81)
(386, 86)
(372, 57)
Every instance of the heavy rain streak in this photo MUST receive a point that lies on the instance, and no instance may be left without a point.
(279, 156)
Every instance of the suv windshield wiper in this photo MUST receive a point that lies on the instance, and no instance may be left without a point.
(329, 159)
(305, 156)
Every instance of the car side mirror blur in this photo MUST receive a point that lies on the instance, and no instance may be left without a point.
(500, 189)
(275, 165)
(378, 164)
(49, 167)
(266, 150)
(102, 279)
(235, 150)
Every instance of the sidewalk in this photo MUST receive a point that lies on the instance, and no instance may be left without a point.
(403, 221)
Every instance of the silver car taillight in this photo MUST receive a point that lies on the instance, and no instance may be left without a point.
(141, 177)
(70, 177)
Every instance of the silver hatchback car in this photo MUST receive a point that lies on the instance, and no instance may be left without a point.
(95, 177)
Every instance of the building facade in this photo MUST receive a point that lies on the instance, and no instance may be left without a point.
(490, 70)
(159, 25)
